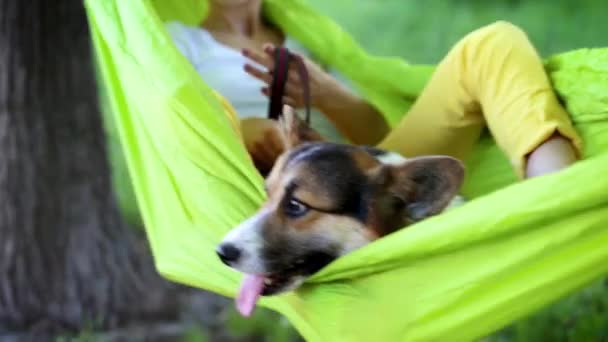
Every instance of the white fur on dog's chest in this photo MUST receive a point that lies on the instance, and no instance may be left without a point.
(392, 158)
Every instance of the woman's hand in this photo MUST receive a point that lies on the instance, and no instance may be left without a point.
(354, 117)
(320, 82)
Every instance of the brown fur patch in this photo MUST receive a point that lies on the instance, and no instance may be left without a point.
(364, 160)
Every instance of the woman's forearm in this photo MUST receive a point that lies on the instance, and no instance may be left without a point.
(354, 117)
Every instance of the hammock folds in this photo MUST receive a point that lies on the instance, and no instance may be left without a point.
(457, 276)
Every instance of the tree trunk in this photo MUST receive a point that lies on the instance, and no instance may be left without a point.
(67, 260)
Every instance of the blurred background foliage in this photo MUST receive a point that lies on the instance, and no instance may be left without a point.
(423, 32)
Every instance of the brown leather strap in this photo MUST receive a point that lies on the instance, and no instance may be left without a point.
(282, 59)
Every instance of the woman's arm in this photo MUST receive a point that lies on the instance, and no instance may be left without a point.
(356, 119)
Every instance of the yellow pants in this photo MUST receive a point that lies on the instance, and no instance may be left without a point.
(495, 78)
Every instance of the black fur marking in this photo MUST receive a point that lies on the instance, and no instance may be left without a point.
(337, 174)
(429, 187)
(288, 257)
(314, 261)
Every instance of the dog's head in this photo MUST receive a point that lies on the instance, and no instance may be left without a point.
(325, 200)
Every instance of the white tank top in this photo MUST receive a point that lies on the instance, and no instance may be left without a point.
(221, 67)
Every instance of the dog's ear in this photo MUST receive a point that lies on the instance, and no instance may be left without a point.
(420, 187)
(294, 131)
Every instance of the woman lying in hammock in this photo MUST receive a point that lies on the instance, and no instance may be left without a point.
(492, 77)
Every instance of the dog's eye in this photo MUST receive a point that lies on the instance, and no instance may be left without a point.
(295, 208)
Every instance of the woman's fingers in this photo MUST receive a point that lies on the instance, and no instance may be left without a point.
(259, 74)
(292, 86)
(294, 83)
(294, 89)
(269, 49)
(287, 99)
(259, 58)
(293, 95)
(293, 74)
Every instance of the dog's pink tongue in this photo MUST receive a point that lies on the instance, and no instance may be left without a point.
(251, 289)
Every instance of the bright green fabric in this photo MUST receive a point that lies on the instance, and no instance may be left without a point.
(453, 277)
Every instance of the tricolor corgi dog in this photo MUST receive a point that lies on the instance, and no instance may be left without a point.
(325, 200)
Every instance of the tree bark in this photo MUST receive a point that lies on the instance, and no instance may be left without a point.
(67, 260)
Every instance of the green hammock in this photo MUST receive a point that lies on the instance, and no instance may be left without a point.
(458, 276)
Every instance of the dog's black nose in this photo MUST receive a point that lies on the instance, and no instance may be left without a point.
(228, 253)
